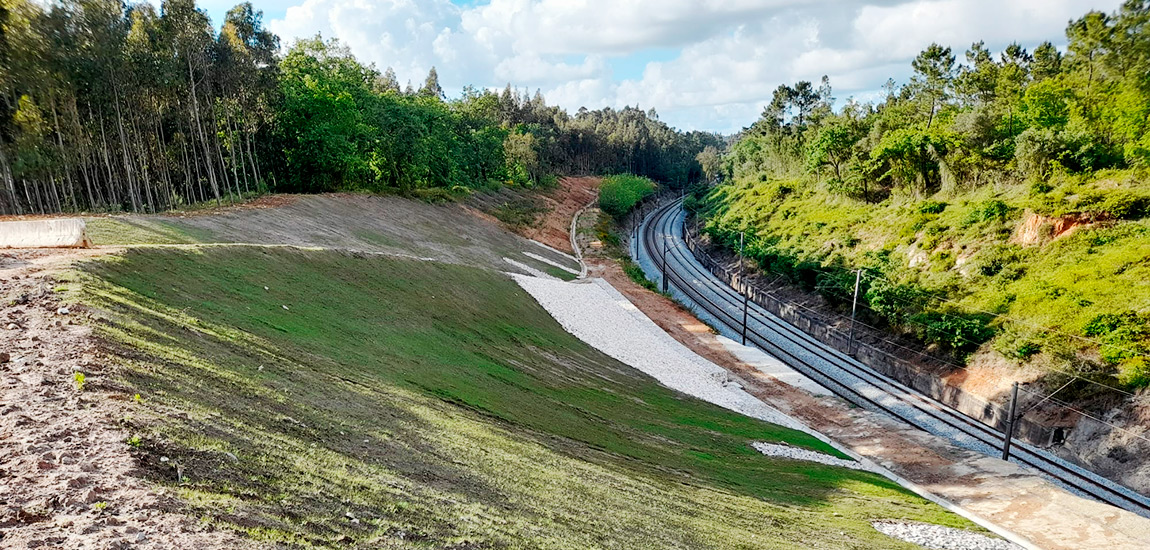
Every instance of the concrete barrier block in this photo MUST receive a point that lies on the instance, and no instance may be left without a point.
(53, 233)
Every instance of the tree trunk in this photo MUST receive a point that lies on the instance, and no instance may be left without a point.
(200, 130)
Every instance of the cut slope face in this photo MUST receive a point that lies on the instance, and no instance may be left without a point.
(409, 404)
(382, 224)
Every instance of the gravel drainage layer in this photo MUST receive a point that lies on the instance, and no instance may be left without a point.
(795, 453)
(598, 314)
(938, 537)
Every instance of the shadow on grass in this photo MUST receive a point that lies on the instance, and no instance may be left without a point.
(373, 399)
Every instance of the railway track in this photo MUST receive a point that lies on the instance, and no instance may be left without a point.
(660, 244)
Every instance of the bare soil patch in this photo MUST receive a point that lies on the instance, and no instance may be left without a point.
(67, 476)
(559, 205)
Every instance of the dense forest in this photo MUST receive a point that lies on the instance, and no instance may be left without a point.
(1002, 198)
(108, 106)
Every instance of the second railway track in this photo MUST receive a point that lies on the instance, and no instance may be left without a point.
(660, 240)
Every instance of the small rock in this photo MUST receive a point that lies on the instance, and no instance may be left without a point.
(63, 311)
(141, 537)
(13, 326)
(4, 357)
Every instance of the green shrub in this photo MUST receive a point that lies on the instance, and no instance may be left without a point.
(894, 302)
(1004, 260)
(518, 213)
(434, 195)
(1015, 344)
(619, 194)
(1040, 188)
(1124, 336)
(931, 207)
(1134, 373)
(1124, 205)
(959, 332)
(990, 211)
(636, 274)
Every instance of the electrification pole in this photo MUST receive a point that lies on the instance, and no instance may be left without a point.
(664, 264)
(854, 311)
(1010, 422)
(742, 283)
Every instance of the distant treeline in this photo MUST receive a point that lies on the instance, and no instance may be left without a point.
(112, 106)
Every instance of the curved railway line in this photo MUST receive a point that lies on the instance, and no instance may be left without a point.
(661, 244)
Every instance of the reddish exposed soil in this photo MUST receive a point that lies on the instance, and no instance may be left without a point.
(552, 228)
(1036, 229)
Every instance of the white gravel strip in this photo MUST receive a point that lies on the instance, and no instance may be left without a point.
(550, 262)
(535, 273)
(795, 453)
(555, 250)
(938, 537)
(598, 314)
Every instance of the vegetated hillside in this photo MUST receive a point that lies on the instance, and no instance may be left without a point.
(112, 106)
(1003, 200)
(998, 263)
(332, 399)
(436, 403)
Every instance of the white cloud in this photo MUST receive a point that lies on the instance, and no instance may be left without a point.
(730, 55)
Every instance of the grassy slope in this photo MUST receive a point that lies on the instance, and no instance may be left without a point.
(382, 224)
(1060, 284)
(441, 407)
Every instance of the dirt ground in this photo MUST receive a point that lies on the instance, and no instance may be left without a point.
(553, 228)
(67, 477)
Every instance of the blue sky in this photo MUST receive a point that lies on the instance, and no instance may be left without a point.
(702, 64)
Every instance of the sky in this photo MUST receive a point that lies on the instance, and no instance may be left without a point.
(701, 64)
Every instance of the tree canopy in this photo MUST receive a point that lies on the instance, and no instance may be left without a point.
(111, 106)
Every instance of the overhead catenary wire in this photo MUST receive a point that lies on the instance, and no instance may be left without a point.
(1084, 481)
(821, 316)
(1070, 407)
(931, 295)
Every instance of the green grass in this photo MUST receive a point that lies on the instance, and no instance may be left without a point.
(963, 248)
(559, 273)
(443, 408)
(121, 230)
